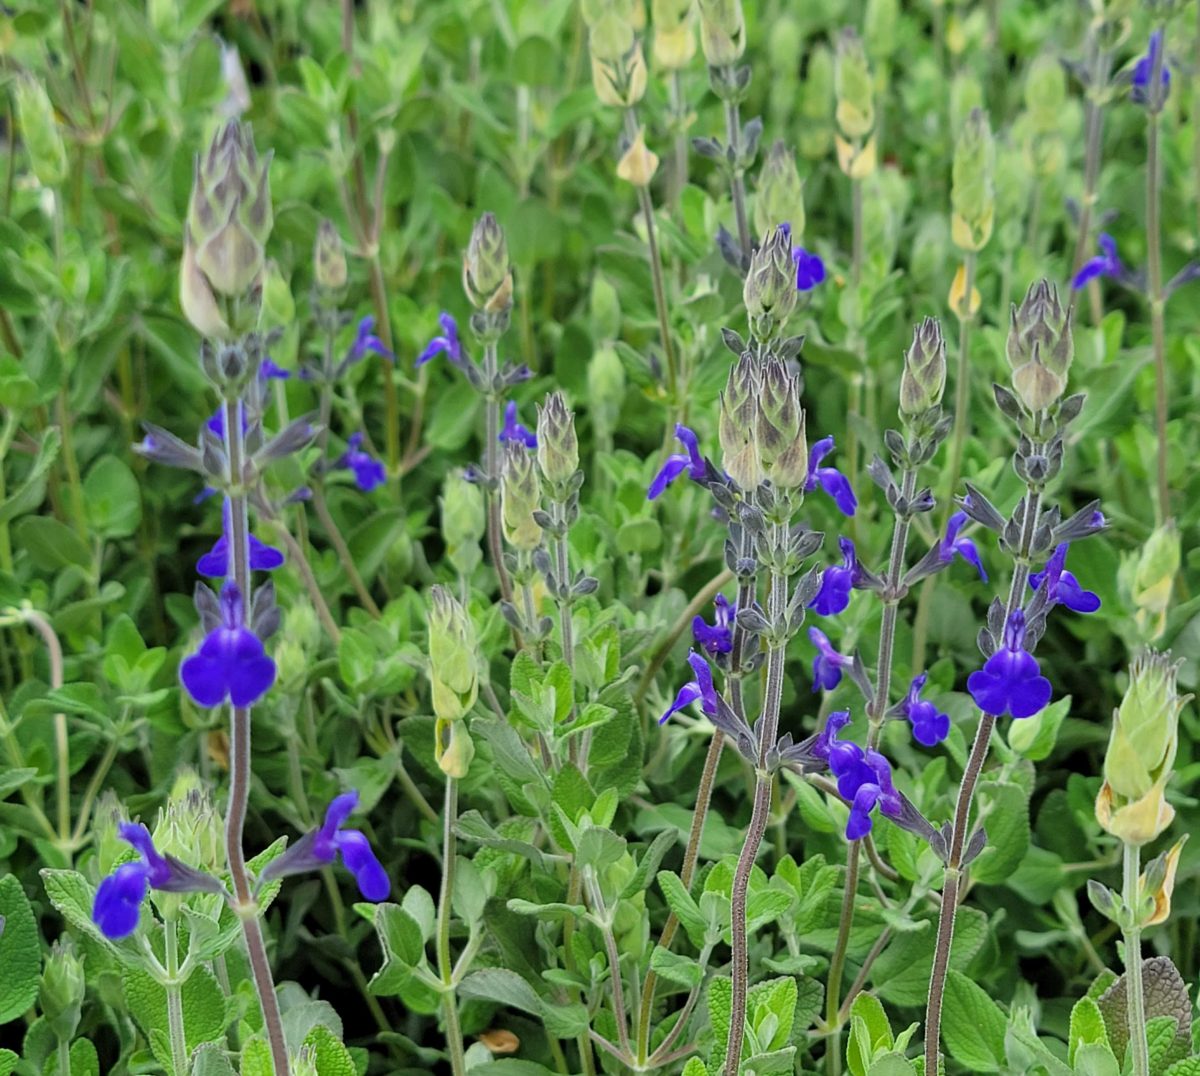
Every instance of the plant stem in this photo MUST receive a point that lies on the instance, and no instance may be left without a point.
(875, 711)
(62, 748)
(296, 552)
(63, 1055)
(1157, 312)
(768, 727)
(174, 989)
(966, 792)
(491, 485)
(679, 174)
(737, 182)
(1100, 63)
(454, 1040)
(856, 252)
(961, 384)
(1136, 1007)
(239, 755)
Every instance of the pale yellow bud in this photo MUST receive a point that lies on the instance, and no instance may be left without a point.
(639, 163)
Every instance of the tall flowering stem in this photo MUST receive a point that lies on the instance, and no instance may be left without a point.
(491, 464)
(1132, 936)
(1157, 297)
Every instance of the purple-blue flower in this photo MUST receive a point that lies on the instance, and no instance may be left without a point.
(368, 471)
(828, 664)
(830, 479)
(231, 662)
(365, 341)
(837, 582)
(692, 463)
(1106, 263)
(1141, 91)
(810, 270)
(952, 545)
(272, 371)
(698, 690)
(1011, 681)
(448, 342)
(716, 638)
(1062, 586)
(864, 778)
(331, 840)
(929, 725)
(513, 430)
(215, 563)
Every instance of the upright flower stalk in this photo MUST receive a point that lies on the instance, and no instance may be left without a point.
(854, 90)
(1039, 348)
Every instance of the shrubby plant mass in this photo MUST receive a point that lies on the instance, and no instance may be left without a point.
(552, 537)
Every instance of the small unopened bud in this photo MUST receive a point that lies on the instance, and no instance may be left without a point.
(857, 160)
(454, 758)
(453, 661)
(737, 428)
(1141, 752)
(879, 28)
(464, 521)
(487, 279)
(972, 194)
(1157, 882)
(190, 828)
(39, 131)
(924, 378)
(606, 388)
(621, 81)
(674, 35)
(62, 989)
(853, 87)
(816, 104)
(197, 299)
(1038, 386)
(230, 214)
(770, 291)
(780, 198)
(639, 163)
(964, 308)
(1046, 92)
(558, 447)
(1041, 328)
(1148, 578)
(722, 32)
(329, 258)
(782, 445)
(520, 498)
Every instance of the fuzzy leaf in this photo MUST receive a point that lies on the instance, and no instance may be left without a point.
(1087, 1026)
(973, 1025)
(20, 955)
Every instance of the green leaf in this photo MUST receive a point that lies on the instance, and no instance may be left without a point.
(8, 1062)
(771, 1009)
(400, 934)
(204, 1012)
(694, 1067)
(1036, 736)
(30, 493)
(502, 986)
(1005, 813)
(675, 968)
(326, 1049)
(1188, 1067)
(901, 974)
(1096, 1059)
(720, 1008)
(686, 910)
(112, 500)
(1087, 1026)
(12, 780)
(892, 1065)
(870, 1031)
(210, 1060)
(20, 955)
(52, 545)
(1165, 1044)
(973, 1025)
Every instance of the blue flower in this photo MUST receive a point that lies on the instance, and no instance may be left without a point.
(828, 664)
(952, 545)
(513, 430)
(1142, 93)
(270, 371)
(1011, 681)
(837, 582)
(810, 270)
(716, 638)
(368, 471)
(699, 690)
(929, 725)
(365, 341)
(215, 563)
(1106, 263)
(1062, 587)
(231, 662)
(864, 778)
(830, 479)
(331, 840)
(448, 342)
(692, 463)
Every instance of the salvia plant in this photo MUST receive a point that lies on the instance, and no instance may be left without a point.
(599, 537)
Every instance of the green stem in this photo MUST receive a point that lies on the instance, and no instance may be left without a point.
(63, 1055)
(961, 385)
(454, 1039)
(679, 174)
(62, 749)
(174, 989)
(737, 181)
(491, 486)
(1157, 313)
(856, 252)
(1136, 1007)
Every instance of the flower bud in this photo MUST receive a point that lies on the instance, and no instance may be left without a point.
(1046, 93)
(639, 164)
(1141, 752)
(972, 194)
(487, 279)
(606, 388)
(816, 104)
(782, 446)
(230, 215)
(63, 986)
(558, 447)
(197, 299)
(454, 758)
(520, 497)
(611, 36)
(1041, 329)
(329, 258)
(298, 643)
(453, 661)
(856, 160)
(464, 521)
(722, 32)
(770, 291)
(674, 37)
(879, 28)
(39, 131)
(1147, 579)
(189, 828)
(780, 198)
(737, 426)
(924, 378)
(853, 87)
(1158, 882)
(1038, 386)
